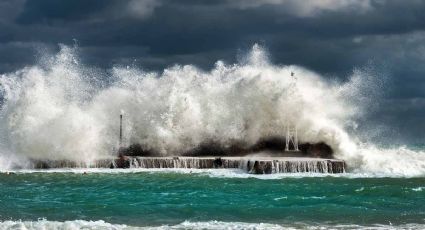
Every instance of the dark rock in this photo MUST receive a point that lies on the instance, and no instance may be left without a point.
(267, 168)
(41, 165)
(122, 162)
(257, 168)
(212, 148)
(136, 150)
(270, 143)
(319, 150)
(274, 145)
(260, 167)
(218, 163)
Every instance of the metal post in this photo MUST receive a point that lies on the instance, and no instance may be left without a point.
(120, 130)
(296, 139)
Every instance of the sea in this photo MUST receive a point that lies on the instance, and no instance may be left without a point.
(62, 109)
(207, 199)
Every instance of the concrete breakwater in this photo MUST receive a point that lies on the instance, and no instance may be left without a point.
(255, 165)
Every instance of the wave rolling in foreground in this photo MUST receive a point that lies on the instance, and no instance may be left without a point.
(212, 225)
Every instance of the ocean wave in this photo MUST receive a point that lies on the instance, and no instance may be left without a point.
(63, 110)
(418, 189)
(212, 225)
(213, 173)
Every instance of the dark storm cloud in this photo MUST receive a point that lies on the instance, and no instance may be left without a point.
(331, 37)
(46, 11)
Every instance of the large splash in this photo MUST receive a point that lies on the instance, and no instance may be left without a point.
(61, 109)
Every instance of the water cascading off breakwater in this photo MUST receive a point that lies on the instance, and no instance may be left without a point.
(263, 165)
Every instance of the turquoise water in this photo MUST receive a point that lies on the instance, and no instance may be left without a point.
(170, 198)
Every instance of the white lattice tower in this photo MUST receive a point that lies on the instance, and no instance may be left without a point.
(291, 137)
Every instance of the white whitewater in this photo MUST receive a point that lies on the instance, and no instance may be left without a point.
(212, 225)
(252, 165)
(63, 110)
(263, 165)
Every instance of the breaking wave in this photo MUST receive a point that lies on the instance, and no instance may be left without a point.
(61, 109)
(212, 225)
(212, 173)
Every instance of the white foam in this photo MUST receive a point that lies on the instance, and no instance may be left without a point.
(64, 110)
(212, 225)
(68, 225)
(396, 162)
(418, 189)
(213, 173)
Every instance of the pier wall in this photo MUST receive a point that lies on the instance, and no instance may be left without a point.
(263, 165)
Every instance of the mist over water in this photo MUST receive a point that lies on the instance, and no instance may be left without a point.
(62, 109)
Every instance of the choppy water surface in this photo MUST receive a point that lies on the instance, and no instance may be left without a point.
(193, 200)
(61, 109)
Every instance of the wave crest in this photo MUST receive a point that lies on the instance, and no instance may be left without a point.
(65, 110)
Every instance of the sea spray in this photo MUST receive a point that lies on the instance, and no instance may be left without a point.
(62, 110)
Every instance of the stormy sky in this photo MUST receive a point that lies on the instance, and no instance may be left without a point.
(331, 37)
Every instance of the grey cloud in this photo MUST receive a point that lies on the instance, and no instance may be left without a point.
(84, 11)
(331, 37)
(142, 8)
(10, 9)
(307, 8)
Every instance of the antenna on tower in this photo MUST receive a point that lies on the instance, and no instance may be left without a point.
(291, 131)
